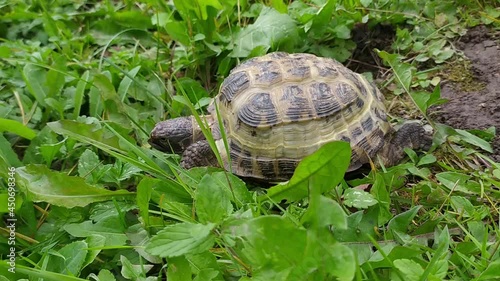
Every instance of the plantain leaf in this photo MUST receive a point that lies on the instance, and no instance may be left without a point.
(17, 128)
(325, 168)
(35, 78)
(39, 184)
(270, 30)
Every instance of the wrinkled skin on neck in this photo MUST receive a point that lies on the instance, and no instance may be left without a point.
(176, 135)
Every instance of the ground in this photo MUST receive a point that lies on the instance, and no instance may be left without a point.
(474, 102)
(471, 84)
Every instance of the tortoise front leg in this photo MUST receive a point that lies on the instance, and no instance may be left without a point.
(199, 154)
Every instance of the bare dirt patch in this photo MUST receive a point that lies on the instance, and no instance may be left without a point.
(474, 98)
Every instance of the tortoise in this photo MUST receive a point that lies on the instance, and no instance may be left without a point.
(279, 108)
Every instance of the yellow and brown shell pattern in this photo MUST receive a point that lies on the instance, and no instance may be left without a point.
(281, 107)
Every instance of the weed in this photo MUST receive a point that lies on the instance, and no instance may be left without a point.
(83, 83)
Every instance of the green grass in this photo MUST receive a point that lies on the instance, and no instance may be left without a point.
(82, 84)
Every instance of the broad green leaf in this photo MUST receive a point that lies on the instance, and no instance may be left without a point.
(120, 172)
(32, 153)
(172, 190)
(411, 270)
(411, 154)
(133, 271)
(50, 25)
(35, 78)
(208, 274)
(277, 249)
(5, 52)
(95, 243)
(90, 168)
(427, 159)
(472, 139)
(192, 88)
(443, 55)
(126, 82)
(478, 230)
(70, 259)
(178, 31)
(144, 191)
(109, 212)
(491, 272)
(199, 8)
(107, 91)
(139, 236)
(203, 4)
(43, 185)
(57, 105)
(88, 133)
(35, 273)
(342, 31)
(118, 145)
(336, 259)
(212, 201)
(6, 202)
(462, 206)
(439, 270)
(490, 15)
(206, 266)
(49, 151)
(18, 128)
(173, 198)
(160, 18)
(180, 239)
(185, 6)
(360, 225)
(365, 3)
(458, 182)
(424, 100)
(402, 221)
(178, 269)
(7, 154)
(326, 167)
(341, 52)
(421, 99)
(325, 212)
(265, 243)
(485, 134)
(279, 6)
(324, 15)
(105, 275)
(114, 234)
(442, 133)
(96, 105)
(358, 198)
(382, 195)
(442, 244)
(235, 188)
(56, 78)
(133, 19)
(270, 30)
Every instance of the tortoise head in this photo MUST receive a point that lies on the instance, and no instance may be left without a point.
(173, 135)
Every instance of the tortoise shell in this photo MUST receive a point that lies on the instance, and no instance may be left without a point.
(279, 108)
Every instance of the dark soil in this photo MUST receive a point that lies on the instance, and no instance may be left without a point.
(474, 100)
(472, 85)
